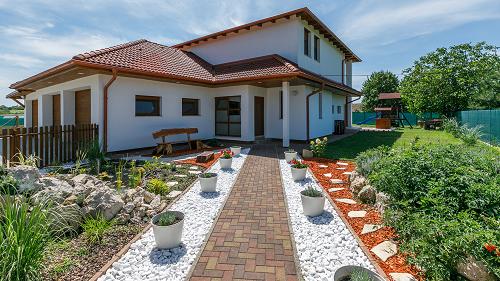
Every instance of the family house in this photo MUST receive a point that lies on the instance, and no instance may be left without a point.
(284, 77)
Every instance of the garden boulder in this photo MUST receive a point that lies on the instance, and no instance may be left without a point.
(357, 184)
(475, 270)
(27, 177)
(53, 190)
(66, 219)
(103, 200)
(367, 194)
(381, 201)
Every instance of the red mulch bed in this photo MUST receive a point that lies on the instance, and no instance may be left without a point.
(206, 165)
(396, 263)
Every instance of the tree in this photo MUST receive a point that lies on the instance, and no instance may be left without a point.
(378, 82)
(452, 79)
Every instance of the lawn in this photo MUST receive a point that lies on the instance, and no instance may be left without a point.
(348, 148)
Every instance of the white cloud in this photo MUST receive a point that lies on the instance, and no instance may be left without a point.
(388, 22)
(20, 60)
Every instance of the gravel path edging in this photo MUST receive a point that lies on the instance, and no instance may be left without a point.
(318, 239)
(144, 232)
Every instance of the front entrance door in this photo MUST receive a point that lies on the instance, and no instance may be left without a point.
(258, 116)
(82, 107)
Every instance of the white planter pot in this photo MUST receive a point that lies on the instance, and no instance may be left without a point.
(289, 156)
(298, 174)
(225, 163)
(167, 237)
(236, 150)
(306, 153)
(344, 272)
(312, 206)
(208, 184)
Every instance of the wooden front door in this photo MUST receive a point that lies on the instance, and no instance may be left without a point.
(34, 113)
(82, 107)
(56, 110)
(259, 116)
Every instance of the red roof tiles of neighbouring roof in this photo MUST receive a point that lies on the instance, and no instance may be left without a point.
(389, 96)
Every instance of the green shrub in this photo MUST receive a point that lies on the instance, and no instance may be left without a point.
(445, 202)
(470, 135)
(311, 192)
(157, 186)
(25, 232)
(94, 229)
(318, 146)
(166, 219)
(366, 159)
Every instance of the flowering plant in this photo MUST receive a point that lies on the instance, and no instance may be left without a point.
(226, 154)
(298, 164)
(492, 248)
(318, 146)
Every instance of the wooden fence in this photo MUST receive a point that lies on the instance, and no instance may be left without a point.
(51, 144)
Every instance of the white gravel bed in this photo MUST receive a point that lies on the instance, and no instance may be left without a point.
(323, 243)
(144, 261)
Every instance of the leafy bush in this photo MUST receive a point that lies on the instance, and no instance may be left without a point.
(451, 126)
(366, 159)
(445, 204)
(318, 146)
(157, 186)
(25, 232)
(94, 229)
(469, 135)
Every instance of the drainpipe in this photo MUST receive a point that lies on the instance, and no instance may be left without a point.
(105, 114)
(307, 108)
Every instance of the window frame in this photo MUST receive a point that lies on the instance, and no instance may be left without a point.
(281, 105)
(320, 105)
(339, 109)
(197, 101)
(156, 99)
(316, 47)
(307, 42)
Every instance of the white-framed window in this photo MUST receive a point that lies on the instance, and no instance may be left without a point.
(316, 48)
(307, 42)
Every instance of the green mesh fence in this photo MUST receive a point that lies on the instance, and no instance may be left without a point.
(358, 117)
(9, 121)
(488, 120)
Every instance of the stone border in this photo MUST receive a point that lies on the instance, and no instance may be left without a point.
(125, 248)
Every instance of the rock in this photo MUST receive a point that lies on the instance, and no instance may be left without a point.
(138, 201)
(354, 175)
(122, 218)
(174, 193)
(474, 270)
(148, 197)
(104, 201)
(129, 207)
(53, 190)
(368, 228)
(163, 205)
(155, 204)
(357, 184)
(367, 194)
(381, 201)
(27, 176)
(138, 214)
(150, 213)
(72, 199)
(83, 179)
(334, 189)
(385, 250)
(306, 153)
(356, 214)
(346, 201)
(402, 276)
(66, 219)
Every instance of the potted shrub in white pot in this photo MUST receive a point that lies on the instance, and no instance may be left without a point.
(313, 202)
(167, 229)
(226, 159)
(236, 150)
(290, 155)
(299, 170)
(356, 273)
(208, 182)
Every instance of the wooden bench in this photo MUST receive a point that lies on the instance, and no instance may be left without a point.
(165, 147)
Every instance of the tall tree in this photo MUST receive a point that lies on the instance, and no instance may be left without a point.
(453, 79)
(378, 82)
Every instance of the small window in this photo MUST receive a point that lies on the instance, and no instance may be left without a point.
(307, 43)
(190, 107)
(316, 48)
(339, 109)
(147, 106)
(320, 104)
(281, 104)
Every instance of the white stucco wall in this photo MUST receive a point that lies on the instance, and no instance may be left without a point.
(279, 38)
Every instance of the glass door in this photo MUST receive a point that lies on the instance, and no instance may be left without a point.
(228, 116)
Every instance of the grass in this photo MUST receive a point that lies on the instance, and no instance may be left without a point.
(348, 148)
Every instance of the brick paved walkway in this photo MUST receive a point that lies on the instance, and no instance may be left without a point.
(251, 239)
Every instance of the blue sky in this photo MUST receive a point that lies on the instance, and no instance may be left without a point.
(387, 35)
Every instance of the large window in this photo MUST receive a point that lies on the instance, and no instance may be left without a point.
(316, 48)
(147, 106)
(228, 116)
(307, 42)
(190, 107)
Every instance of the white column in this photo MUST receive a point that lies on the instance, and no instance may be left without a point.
(67, 107)
(45, 110)
(286, 113)
(28, 109)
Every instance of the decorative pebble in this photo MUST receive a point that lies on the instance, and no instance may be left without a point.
(323, 243)
(143, 261)
(340, 168)
(347, 173)
(356, 214)
(172, 183)
(195, 172)
(368, 228)
(342, 164)
(385, 250)
(333, 189)
(346, 200)
(193, 167)
(402, 276)
(337, 181)
(329, 175)
(323, 166)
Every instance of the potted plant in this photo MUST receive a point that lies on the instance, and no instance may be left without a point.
(356, 273)
(299, 170)
(167, 229)
(236, 150)
(226, 159)
(313, 202)
(290, 155)
(208, 182)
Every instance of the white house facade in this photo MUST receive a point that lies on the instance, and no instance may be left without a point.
(285, 77)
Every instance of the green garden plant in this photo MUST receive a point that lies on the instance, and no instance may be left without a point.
(8, 185)
(95, 229)
(166, 219)
(359, 275)
(157, 186)
(135, 175)
(311, 192)
(318, 146)
(119, 173)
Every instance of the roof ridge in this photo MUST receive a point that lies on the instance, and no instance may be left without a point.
(245, 60)
(90, 54)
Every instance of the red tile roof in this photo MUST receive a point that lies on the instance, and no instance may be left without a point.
(148, 58)
(389, 96)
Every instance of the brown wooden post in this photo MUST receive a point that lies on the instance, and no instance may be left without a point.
(56, 145)
(23, 141)
(30, 140)
(12, 145)
(73, 142)
(36, 142)
(4, 146)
